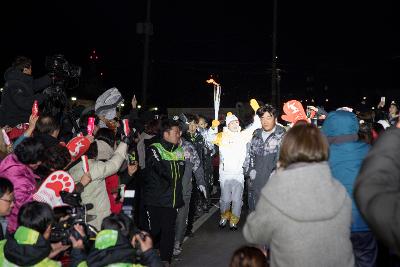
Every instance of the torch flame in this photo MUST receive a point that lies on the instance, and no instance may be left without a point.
(212, 81)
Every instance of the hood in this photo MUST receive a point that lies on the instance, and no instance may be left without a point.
(306, 192)
(28, 243)
(111, 247)
(15, 74)
(340, 123)
(105, 151)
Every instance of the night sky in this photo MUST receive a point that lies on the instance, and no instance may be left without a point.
(340, 50)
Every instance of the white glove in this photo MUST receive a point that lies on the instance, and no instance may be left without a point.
(202, 189)
(252, 174)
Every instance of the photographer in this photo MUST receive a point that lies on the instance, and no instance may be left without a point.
(128, 247)
(20, 91)
(30, 246)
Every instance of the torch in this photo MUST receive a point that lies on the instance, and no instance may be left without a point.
(217, 96)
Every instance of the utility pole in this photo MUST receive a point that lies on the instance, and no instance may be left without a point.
(275, 91)
(147, 30)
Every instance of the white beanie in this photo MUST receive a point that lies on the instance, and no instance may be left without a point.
(230, 117)
(384, 123)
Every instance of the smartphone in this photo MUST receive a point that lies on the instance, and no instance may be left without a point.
(132, 158)
(383, 99)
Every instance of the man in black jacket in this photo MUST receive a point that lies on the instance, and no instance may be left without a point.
(377, 189)
(20, 91)
(165, 165)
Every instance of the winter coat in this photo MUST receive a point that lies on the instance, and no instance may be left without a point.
(304, 216)
(26, 248)
(263, 155)
(96, 192)
(192, 166)
(377, 189)
(232, 151)
(346, 156)
(165, 165)
(110, 248)
(24, 181)
(20, 91)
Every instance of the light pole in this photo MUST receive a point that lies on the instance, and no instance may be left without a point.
(275, 91)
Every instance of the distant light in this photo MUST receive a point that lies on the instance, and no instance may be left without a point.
(156, 108)
(306, 100)
(327, 100)
(364, 97)
(1, 89)
(312, 100)
(122, 105)
(101, 73)
(97, 57)
(373, 107)
(94, 51)
(91, 57)
(139, 106)
(73, 98)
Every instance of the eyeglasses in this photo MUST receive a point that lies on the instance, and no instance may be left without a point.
(8, 200)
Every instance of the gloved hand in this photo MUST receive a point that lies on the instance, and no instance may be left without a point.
(252, 174)
(254, 104)
(202, 189)
(215, 123)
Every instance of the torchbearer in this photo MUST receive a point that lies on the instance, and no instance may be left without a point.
(232, 143)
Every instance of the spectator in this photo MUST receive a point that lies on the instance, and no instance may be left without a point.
(30, 245)
(377, 189)
(19, 169)
(248, 257)
(20, 91)
(303, 214)
(346, 156)
(6, 203)
(119, 231)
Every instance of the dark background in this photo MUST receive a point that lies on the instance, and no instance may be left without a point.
(340, 50)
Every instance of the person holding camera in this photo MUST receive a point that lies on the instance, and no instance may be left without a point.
(30, 245)
(117, 243)
(20, 91)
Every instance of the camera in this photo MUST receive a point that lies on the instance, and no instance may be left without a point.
(76, 213)
(59, 66)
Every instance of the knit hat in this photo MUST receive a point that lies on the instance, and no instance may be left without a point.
(106, 104)
(230, 117)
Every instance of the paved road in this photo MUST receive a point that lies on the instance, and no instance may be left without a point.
(211, 246)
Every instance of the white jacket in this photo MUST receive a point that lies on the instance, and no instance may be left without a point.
(232, 150)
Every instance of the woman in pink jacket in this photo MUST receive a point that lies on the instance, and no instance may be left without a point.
(18, 168)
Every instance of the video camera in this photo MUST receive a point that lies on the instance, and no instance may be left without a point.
(58, 65)
(76, 213)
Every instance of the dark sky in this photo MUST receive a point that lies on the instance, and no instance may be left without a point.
(345, 48)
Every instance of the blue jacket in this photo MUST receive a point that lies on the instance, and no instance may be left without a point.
(346, 156)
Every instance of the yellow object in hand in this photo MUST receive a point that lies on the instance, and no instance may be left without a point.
(254, 104)
(215, 124)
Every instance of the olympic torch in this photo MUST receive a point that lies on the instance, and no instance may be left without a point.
(217, 96)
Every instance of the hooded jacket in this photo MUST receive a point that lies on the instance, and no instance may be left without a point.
(24, 181)
(20, 90)
(304, 216)
(377, 189)
(165, 165)
(26, 248)
(346, 156)
(95, 192)
(111, 248)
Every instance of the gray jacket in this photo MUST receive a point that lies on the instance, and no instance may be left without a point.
(262, 156)
(304, 215)
(193, 166)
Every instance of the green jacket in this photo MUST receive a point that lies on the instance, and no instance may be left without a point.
(27, 248)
